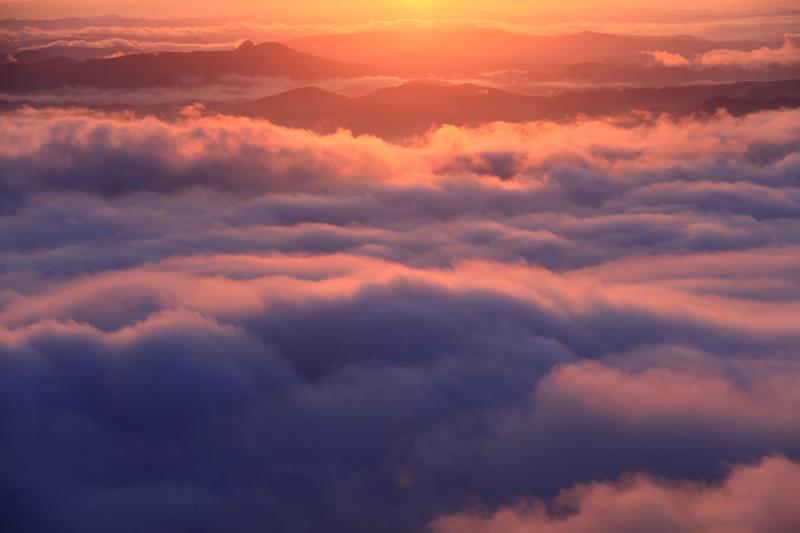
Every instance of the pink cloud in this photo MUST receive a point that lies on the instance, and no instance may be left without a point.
(668, 59)
(630, 152)
(758, 497)
(787, 54)
(179, 283)
(665, 397)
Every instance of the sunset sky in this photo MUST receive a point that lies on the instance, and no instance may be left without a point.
(362, 10)
(418, 266)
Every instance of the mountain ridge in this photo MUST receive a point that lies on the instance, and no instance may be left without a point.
(414, 107)
(155, 69)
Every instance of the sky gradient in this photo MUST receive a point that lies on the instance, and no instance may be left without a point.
(362, 10)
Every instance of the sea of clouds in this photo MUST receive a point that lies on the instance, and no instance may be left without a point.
(220, 324)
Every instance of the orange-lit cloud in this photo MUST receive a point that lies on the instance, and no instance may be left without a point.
(669, 59)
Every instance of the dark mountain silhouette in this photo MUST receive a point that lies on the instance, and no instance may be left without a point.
(27, 56)
(417, 106)
(637, 74)
(413, 108)
(744, 106)
(306, 107)
(467, 49)
(170, 68)
(64, 53)
(585, 57)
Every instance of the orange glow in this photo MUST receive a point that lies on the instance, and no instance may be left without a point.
(352, 10)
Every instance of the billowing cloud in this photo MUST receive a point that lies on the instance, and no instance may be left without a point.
(752, 498)
(51, 149)
(216, 322)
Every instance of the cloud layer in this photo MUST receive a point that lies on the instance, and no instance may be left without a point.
(217, 323)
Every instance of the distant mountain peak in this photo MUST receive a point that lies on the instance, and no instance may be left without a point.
(161, 69)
